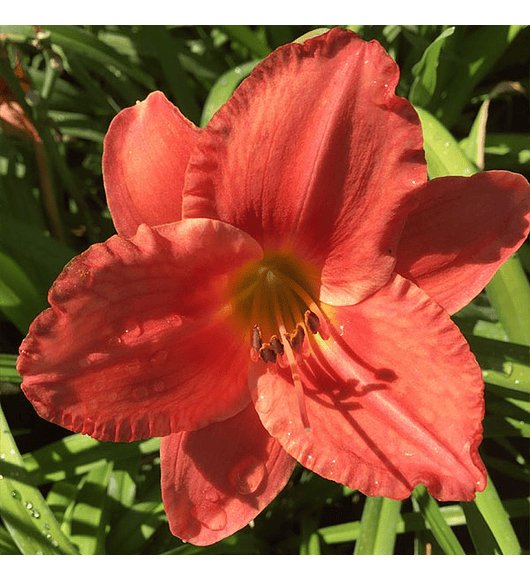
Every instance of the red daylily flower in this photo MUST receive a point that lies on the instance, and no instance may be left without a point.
(280, 290)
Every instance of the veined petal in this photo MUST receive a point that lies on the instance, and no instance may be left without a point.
(216, 480)
(138, 342)
(146, 151)
(315, 154)
(463, 229)
(394, 399)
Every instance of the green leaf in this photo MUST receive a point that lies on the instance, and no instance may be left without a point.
(78, 454)
(248, 38)
(85, 517)
(223, 89)
(414, 522)
(122, 486)
(430, 510)
(20, 300)
(489, 524)
(474, 145)
(507, 151)
(34, 251)
(470, 54)
(61, 495)
(8, 370)
(500, 426)
(310, 539)
(509, 293)
(24, 511)
(7, 546)
(442, 152)
(79, 40)
(425, 71)
(377, 534)
(166, 50)
(18, 32)
(505, 365)
(139, 523)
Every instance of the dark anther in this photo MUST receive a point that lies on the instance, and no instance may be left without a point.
(312, 321)
(256, 338)
(296, 338)
(276, 345)
(267, 354)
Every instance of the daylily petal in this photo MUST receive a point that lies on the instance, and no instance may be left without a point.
(314, 153)
(393, 399)
(136, 343)
(216, 480)
(462, 231)
(146, 151)
(14, 121)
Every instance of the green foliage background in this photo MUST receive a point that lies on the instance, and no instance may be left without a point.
(67, 494)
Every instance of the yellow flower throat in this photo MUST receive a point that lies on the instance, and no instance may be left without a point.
(273, 299)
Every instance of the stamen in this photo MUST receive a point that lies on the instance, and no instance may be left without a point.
(267, 354)
(312, 305)
(297, 382)
(256, 338)
(312, 321)
(296, 338)
(276, 345)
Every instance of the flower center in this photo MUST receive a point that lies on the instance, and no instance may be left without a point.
(274, 299)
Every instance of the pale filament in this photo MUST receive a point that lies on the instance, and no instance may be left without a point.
(311, 304)
(299, 388)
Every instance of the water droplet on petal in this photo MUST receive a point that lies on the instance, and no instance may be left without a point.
(174, 320)
(247, 475)
(131, 330)
(159, 386)
(114, 341)
(210, 515)
(93, 358)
